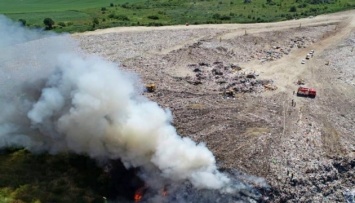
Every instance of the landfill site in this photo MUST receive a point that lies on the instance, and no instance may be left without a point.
(235, 87)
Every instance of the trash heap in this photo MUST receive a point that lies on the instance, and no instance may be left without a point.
(228, 79)
(300, 42)
(277, 52)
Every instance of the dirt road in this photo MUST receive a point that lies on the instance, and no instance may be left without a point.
(305, 152)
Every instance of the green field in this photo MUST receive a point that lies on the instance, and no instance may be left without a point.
(83, 15)
(25, 6)
(29, 178)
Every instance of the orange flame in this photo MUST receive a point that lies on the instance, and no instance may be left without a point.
(138, 195)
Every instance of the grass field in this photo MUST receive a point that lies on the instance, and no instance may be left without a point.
(28, 178)
(31, 6)
(83, 15)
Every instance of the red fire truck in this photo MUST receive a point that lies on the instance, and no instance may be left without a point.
(306, 92)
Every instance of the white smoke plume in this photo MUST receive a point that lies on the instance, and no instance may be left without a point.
(55, 98)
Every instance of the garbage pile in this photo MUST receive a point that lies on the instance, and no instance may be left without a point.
(229, 79)
(299, 42)
(277, 52)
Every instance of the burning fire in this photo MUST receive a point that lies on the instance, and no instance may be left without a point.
(139, 194)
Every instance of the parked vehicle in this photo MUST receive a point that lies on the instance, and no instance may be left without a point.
(306, 92)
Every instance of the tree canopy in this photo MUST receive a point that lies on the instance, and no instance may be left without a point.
(48, 22)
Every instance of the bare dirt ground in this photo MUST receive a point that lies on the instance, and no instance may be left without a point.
(305, 152)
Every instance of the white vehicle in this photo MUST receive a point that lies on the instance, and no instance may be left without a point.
(311, 53)
(303, 61)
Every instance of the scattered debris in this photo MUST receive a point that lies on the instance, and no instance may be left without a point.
(197, 70)
(204, 64)
(300, 82)
(150, 87)
(229, 78)
(270, 87)
(251, 75)
(229, 93)
(217, 72)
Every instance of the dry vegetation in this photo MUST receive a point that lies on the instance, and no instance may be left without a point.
(306, 152)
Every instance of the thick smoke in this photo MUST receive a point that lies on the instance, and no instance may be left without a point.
(55, 98)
